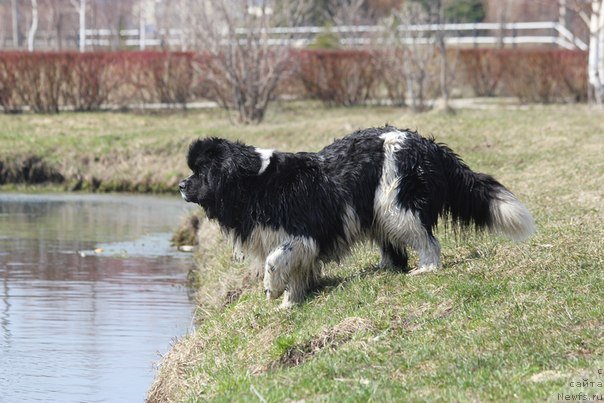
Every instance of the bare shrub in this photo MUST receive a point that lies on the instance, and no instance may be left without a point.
(417, 51)
(87, 84)
(173, 77)
(338, 77)
(39, 78)
(393, 73)
(9, 98)
(244, 64)
(483, 70)
(545, 76)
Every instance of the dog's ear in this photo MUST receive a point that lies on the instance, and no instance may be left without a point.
(204, 151)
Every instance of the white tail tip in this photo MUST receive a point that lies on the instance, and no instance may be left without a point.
(509, 217)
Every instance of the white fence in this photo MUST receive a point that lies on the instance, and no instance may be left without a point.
(472, 34)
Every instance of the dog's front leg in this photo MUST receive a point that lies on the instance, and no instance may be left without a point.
(300, 281)
(277, 269)
(288, 269)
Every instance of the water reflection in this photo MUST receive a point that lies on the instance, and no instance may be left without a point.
(90, 292)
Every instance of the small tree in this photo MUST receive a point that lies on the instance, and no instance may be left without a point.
(242, 62)
(80, 7)
(31, 34)
(596, 52)
(408, 56)
(592, 14)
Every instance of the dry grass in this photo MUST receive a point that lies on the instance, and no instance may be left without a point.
(186, 233)
(500, 321)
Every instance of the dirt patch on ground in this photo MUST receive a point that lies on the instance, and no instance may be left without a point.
(549, 376)
(186, 234)
(30, 169)
(330, 338)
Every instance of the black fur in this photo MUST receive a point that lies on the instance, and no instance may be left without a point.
(307, 194)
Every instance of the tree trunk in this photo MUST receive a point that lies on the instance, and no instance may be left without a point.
(444, 62)
(15, 21)
(80, 7)
(82, 25)
(31, 35)
(596, 53)
(142, 33)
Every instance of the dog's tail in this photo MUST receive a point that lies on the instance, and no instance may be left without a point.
(479, 199)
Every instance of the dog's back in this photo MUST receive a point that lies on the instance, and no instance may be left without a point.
(290, 211)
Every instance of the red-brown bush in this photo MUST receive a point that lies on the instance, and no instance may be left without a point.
(9, 99)
(482, 70)
(48, 81)
(173, 77)
(545, 75)
(38, 79)
(532, 75)
(89, 81)
(392, 74)
(338, 77)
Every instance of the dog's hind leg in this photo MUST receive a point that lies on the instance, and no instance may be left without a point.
(404, 227)
(394, 257)
(257, 268)
(428, 249)
(290, 266)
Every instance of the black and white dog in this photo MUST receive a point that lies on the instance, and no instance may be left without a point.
(288, 212)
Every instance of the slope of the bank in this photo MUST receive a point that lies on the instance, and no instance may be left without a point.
(500, 321)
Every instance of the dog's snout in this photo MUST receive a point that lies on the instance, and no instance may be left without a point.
(182, 185)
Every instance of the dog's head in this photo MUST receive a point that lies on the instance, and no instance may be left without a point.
(207, 158)
(216, 164)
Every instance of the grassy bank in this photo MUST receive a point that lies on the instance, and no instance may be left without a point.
(500, 321)
(145, 152)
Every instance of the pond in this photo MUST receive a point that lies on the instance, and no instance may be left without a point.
(91, 293)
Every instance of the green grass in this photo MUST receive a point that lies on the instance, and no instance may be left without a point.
(145, 152)
(501, 321)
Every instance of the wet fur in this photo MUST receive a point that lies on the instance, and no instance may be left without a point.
(291, 212)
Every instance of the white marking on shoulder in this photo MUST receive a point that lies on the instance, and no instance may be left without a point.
(265, 158)
(393, 137)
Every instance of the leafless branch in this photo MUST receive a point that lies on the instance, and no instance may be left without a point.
(245, 65)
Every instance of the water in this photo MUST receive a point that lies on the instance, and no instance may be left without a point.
(90, 294)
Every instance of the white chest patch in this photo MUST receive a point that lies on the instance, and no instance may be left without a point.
(265, 158)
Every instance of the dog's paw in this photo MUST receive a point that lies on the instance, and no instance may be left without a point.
(274, 286)
(269, 294)
(423, 269)
(286, 304)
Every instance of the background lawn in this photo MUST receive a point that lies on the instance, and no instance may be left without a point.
(500, 321)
